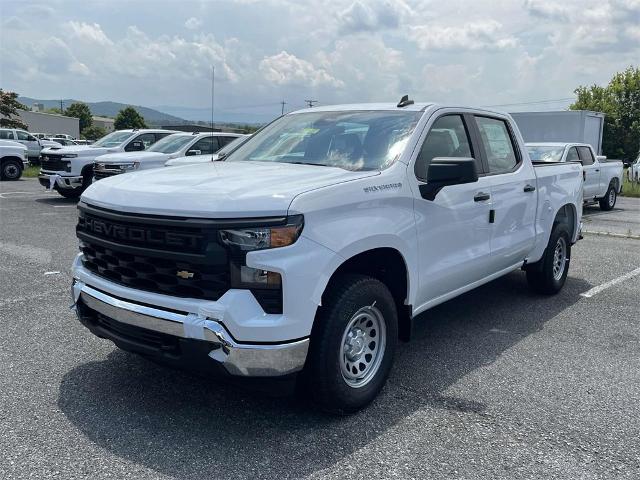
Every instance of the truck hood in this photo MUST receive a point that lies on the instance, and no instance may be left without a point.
(132, 157)
(215, 189)
(191, 160)
(79, 150)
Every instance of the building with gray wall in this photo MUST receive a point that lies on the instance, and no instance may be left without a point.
(38, 122)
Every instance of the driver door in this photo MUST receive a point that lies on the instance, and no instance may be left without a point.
(453, 229)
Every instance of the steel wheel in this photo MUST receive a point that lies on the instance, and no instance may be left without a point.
(362, 347)
(11, 171)
(612, 197)
(559, 258)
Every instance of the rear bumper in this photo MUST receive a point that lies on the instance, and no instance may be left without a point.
(182, 337)
(55, 180)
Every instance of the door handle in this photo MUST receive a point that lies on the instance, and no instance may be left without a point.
(481, 197)
(597, 169)
(529, 188)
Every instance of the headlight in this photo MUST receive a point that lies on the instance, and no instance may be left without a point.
(129, 166)
(247, 239)
(69, 155)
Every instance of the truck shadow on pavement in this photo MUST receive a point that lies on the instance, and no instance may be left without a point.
(57, 200)
(177, 424)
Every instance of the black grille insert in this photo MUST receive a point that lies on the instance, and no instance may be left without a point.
(54, 163)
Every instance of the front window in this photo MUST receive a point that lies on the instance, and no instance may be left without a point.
(171, 144)
(545, 154)
(114, 139)
(359, 140)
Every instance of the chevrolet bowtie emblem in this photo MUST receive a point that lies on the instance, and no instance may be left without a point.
(184, 274)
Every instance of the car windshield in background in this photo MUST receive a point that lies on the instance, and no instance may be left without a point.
(114, 139)
(171, 143)
(545, 153)
(359, 140)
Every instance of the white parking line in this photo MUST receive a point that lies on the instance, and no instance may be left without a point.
(65, 206)
(611, 283)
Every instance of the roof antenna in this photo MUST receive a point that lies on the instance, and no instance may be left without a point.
(404, 101)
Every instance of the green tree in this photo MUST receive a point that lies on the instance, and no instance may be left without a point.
(54, 110)
(80, 110)
(93, 133)
(620, 102)
(129, 118)
(9, 106)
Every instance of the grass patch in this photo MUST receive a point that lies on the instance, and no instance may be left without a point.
(630, 189)
(31, 171)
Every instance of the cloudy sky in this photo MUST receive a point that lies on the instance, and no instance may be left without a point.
(483, 52)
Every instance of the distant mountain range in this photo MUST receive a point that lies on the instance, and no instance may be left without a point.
(110, 109)
(167, 115)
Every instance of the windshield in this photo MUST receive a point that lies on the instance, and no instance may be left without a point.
(171, 143)
(539, 153)
(114, 139)
(362, 140)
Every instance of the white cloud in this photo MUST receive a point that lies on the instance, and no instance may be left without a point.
(88, 32)
(478, 35)
(193, 23)
(547, 9)
(287, 69)
(372, 16)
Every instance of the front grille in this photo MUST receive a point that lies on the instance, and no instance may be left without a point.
(175, 256)
(100, 174)
(54, 163)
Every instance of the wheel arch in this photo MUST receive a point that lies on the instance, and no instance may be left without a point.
(567, 215)
(388, 265)
(8, 158)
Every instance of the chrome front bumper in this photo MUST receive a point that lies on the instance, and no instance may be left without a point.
(51, 180)
(240, 359)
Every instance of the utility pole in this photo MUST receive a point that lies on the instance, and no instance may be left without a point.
(283, 103)
(311, 102)
(61, 107)
(213, 83)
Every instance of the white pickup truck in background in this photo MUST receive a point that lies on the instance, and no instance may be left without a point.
(13, 159)
(69, 170)
(172, 146)
(313, 247)
(219, 155)
(602, 178)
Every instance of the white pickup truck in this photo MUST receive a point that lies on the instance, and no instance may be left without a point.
(602, 178)
(14, 158)
(173, 146)
(69, 170)
(309, 251)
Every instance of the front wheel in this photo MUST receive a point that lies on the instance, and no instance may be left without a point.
(609, 200)
(11, 170)
(352, 344)
(549, 274)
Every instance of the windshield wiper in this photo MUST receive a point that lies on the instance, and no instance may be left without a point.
(310, 163)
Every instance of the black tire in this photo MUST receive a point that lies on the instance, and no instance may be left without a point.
(350, 298)
(609, 200)
(70, 192)
(541, 276)
(11, 170)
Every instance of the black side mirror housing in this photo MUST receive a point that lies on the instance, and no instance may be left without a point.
(444, 171)
(191, 153)
(135, 146)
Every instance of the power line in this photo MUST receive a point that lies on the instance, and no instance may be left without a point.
(310, 103)
(537, 102)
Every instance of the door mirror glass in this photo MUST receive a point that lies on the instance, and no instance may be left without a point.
(444, 171)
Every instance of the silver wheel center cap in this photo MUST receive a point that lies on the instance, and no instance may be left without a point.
(355, 344)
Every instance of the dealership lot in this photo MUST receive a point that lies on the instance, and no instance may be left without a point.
(499, 383)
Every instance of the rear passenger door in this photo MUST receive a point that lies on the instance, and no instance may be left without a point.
(513, 196)
(591, 173)
(29, 141)
(453, 229)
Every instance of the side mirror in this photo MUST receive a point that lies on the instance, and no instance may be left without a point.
(444, 171)
(191, 153)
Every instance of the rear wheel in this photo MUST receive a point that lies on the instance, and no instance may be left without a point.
(352, 344)
(609, 200)
(11, 170)
(549, 274)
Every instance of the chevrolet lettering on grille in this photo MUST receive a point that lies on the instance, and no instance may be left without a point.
(134, 234)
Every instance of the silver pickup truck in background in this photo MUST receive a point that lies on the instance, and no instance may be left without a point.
(602, 177)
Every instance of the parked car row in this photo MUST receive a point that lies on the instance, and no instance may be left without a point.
(70, 170)
(310, 251)
(34, 145)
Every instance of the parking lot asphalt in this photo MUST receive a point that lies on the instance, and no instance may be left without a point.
(498, 383)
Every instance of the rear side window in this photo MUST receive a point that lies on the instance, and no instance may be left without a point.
(586, 157)
(497, 144)
(206, 145)
(448, 137)
(6, 135)
(160, 135)
(147, 139)
(224, 141)
(572, 156)
(23, 135)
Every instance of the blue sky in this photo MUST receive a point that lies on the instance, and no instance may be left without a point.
(482, 52)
